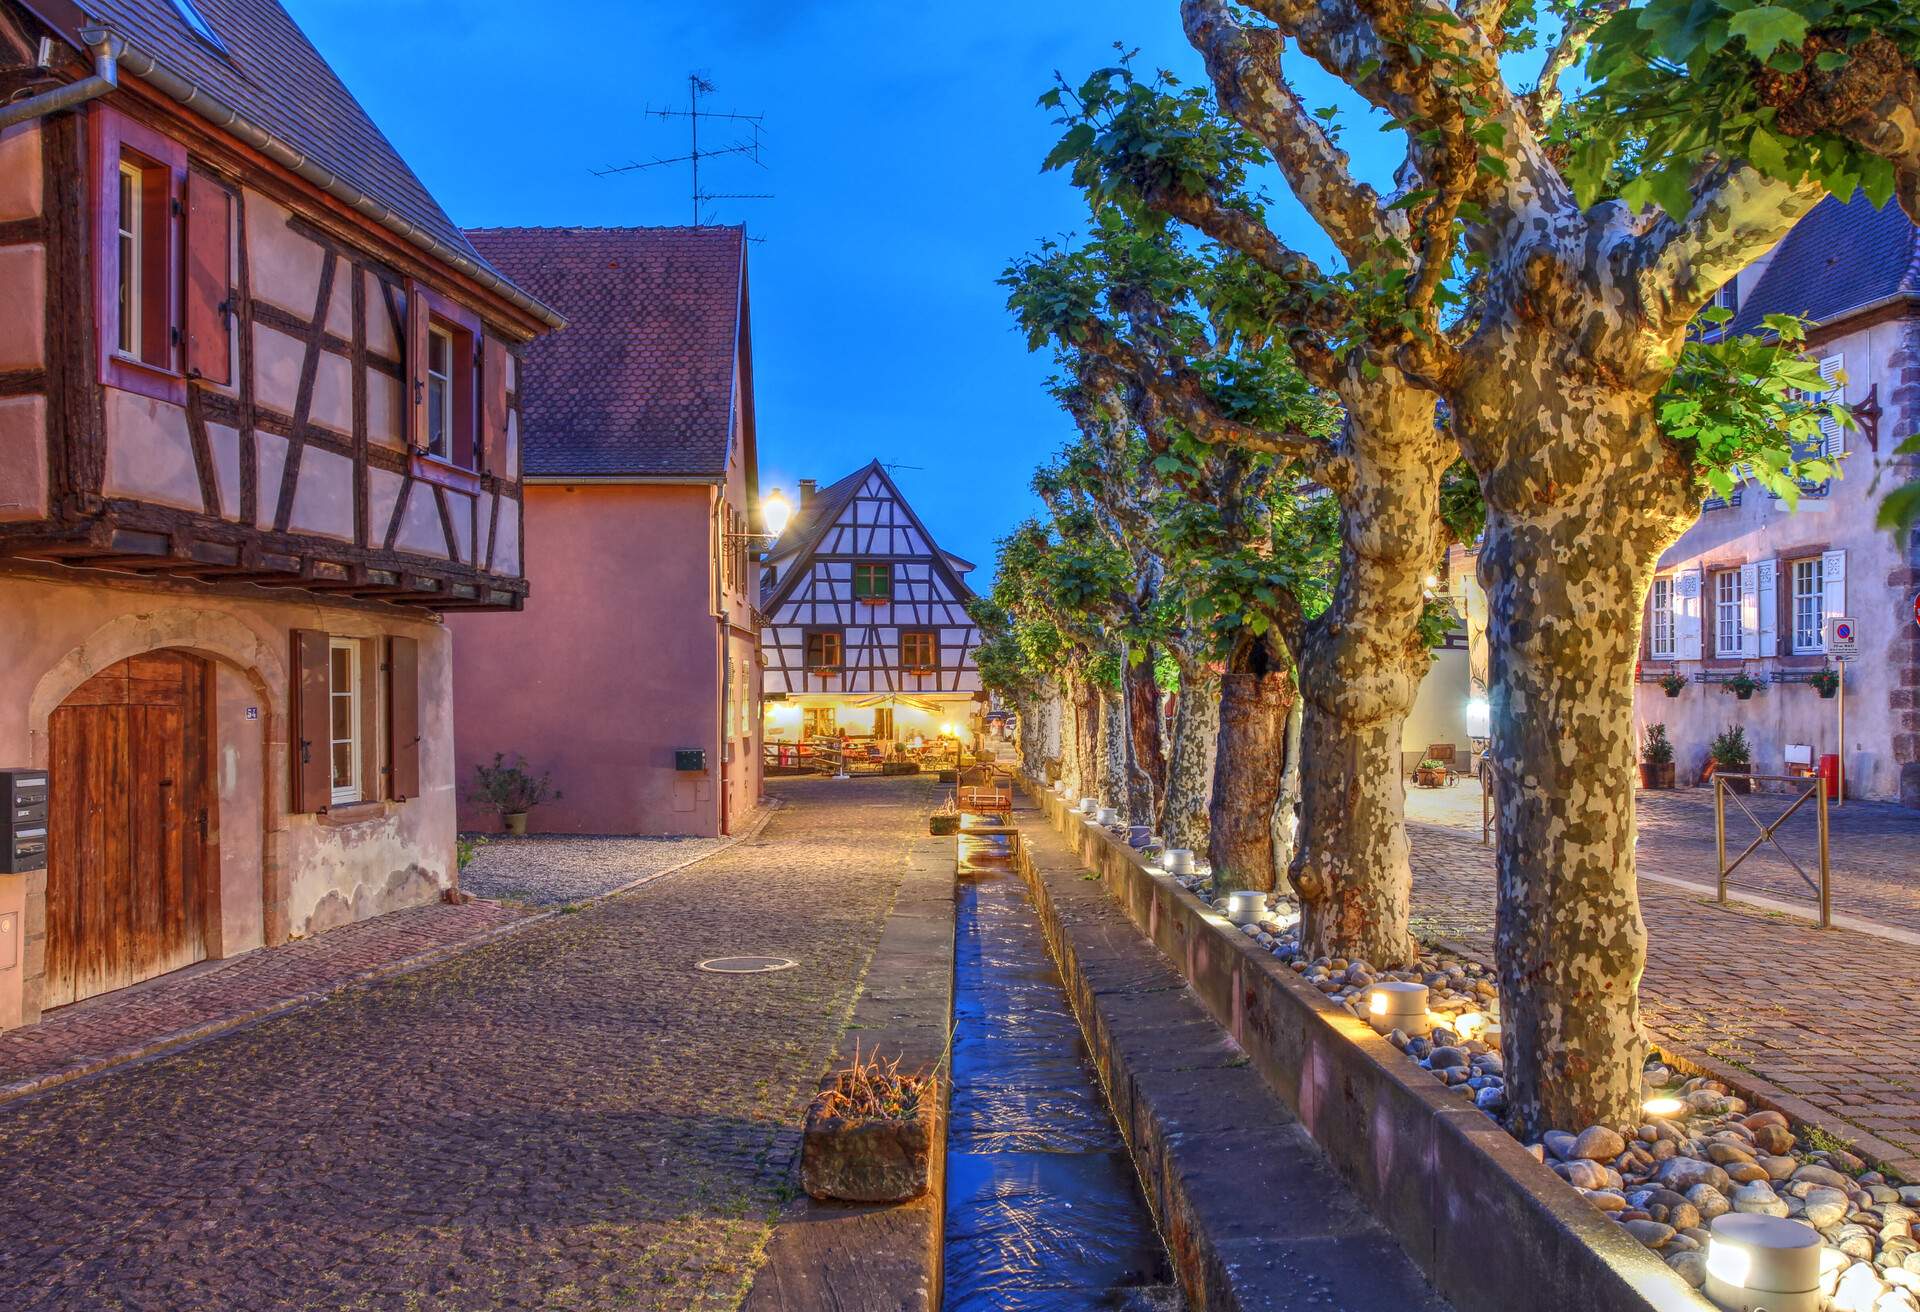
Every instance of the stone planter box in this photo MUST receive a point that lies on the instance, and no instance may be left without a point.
(949, 776)
(899, 767)
(853, 1161)
(940, 826)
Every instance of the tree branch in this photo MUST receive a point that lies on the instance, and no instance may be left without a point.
(1737, 216)
(1543, 102)
(1244, 64)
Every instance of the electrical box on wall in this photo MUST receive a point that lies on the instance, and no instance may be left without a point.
(689, 758)
(23, 825)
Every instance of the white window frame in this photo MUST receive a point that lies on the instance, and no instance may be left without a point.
(1811, 569)
(440, 444)
(1662, 633)
(354, 791)
(132, 294)
(1726, 607)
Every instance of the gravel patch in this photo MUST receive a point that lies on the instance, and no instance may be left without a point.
(554, 869)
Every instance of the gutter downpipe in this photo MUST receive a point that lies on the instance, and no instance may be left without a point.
(107, 49)
(190, 94)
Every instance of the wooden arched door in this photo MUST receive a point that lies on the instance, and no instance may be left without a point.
(127, 799)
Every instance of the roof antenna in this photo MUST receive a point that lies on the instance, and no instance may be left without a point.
(698, 86)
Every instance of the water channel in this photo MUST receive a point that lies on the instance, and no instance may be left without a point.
(1043, 1207)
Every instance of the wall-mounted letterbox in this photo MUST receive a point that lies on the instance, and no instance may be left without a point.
(23, 825)
(690, 758)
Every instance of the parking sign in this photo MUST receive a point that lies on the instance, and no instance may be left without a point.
(1842, 642)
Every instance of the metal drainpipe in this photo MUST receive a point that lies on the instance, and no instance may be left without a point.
(106, 76)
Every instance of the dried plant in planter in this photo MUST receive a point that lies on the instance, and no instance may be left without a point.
(869, 1134)
(946, 820)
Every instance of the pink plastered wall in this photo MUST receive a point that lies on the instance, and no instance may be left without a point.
(614, 663)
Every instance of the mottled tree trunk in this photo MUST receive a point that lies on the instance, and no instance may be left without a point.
(1254, 695)
(1360, 668)
(1147, 761)
(1286, 807)
(1086, 738)
(1113, 749)
(1196, 729)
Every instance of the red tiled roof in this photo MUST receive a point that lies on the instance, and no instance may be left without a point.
(640, 381)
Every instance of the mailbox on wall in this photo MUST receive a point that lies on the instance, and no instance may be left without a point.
(689, 758)
(23, 827)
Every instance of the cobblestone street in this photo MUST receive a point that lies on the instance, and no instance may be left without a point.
(570, 1117)
(1777, 997)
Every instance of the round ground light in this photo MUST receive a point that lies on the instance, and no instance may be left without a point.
(746, 965)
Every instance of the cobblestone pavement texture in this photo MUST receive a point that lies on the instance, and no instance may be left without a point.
(554, 869)
(569, 1117)
(87, 1033)
(1802, 1007)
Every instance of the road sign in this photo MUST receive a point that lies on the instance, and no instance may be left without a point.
(1842, 642)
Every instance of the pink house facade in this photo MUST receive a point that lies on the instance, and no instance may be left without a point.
(238, 493)
(633, 677)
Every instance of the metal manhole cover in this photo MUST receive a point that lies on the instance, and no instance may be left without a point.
(746, 965)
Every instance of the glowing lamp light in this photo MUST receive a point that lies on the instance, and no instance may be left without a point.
(1177, 860)
(775, 512)
(1479, 717)
(1763, 1262)
(1246, 906)
(1469, 1023)
(1398, 1004)
(1664, 1106)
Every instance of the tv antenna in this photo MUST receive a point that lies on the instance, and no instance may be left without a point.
(748, 146)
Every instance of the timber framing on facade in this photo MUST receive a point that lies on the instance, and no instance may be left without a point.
(864, 602)
(276, 441)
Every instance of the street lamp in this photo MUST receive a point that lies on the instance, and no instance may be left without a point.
(774, 514)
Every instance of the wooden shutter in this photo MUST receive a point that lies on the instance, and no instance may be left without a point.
(416, 365)
(1687, 615)
(1768, 574)
(493, 407)
(1833, 433)
(1750, 611)
(209, 286)
(1833, 583)
(403, 718)
(311, 742)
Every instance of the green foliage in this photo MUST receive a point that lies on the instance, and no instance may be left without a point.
(1674, 683)
(466, 847)
(1748, 407)
(1730, 750)
(1655, 747)
(1677, 83)
(1825, 681)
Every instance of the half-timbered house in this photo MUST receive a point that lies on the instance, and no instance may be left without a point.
(258, 431)
(643, 700)
(867, 632)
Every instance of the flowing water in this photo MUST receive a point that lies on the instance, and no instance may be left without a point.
(1043, 1207)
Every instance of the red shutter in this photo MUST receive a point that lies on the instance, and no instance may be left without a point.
(209, 288)
(403, 718)
(310, 743)
(493, 408)
(417, 365)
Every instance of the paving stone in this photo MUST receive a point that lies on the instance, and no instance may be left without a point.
(570, 1116)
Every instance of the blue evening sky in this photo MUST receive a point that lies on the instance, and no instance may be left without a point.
(903, 145)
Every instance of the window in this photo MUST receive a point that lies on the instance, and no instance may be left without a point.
(1660, 632)
(1809, 607)
(823, 649)
(343, 699)
(439, 392)
(919, 650)
(143, 312)
(190, 15)
(872, 582)
(883, 723)
(1726, 613)
(820, 722)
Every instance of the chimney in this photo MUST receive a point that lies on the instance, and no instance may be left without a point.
(808, 487)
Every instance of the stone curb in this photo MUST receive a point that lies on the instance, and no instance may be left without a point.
(828, 1257)
(1492, 1229)
(163, 1043)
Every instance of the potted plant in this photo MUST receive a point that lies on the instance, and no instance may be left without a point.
(1656, 758)
(1430, 773)
(1826, 682)
(1742, 686)
(1732, 755)
(869, 1134)
(899, 763)
(1674, 683)
(946, 820)
(510, 788)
